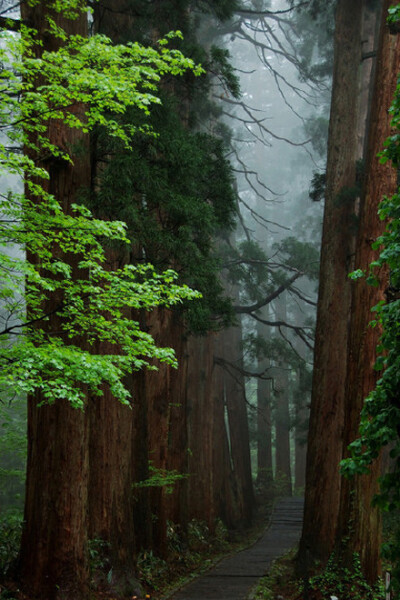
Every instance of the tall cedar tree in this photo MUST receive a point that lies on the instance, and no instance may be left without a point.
(359, 523)
(53, 559)
(330, 354)
(175, 192)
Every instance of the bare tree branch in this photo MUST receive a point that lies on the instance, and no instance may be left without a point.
(300, 331)
(230, 366)
(246, 12)
(259, 122)
(296, 292)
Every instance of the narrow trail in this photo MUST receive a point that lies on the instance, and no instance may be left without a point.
(232, 578)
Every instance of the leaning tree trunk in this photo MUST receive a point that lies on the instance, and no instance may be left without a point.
(53, 558)
(327, 405)
(359, 523)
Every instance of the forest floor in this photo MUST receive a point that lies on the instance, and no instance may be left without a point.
(241, 565)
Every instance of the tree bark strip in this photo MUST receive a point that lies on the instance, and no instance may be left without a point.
(53, 561)
(327, 407)
(359, 523)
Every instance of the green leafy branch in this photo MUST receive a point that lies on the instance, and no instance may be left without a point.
(161, 478)
(74, 301)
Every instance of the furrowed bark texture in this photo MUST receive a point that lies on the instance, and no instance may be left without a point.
(110, 498)
(327, 407)
(359, 523)
(157, 392)
(178, 454)
(160, 396)
(53, 557)
(200, 429)
(212, 487)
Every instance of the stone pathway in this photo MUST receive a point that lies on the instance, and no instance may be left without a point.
(232, 578)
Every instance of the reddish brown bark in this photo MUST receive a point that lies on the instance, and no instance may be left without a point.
(178, 456)
(359, 523)
(110, 498)
(157, 393)
(200, 429)
(140, 465)
(212, 491)
(167, 331)
(327, 407)
(53, 558)
(111, 446)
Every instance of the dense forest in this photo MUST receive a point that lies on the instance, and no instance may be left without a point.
(200, 291)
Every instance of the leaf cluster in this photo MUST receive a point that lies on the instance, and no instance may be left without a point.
(12, 454)
(161, 478)
(61, 302)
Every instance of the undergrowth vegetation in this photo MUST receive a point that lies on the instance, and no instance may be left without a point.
(333, 581)
(344, 583)
(10, 535)
(190, 552)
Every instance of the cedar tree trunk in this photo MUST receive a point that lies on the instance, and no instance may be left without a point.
(327, 406)
(359, 523)
(53, 557)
